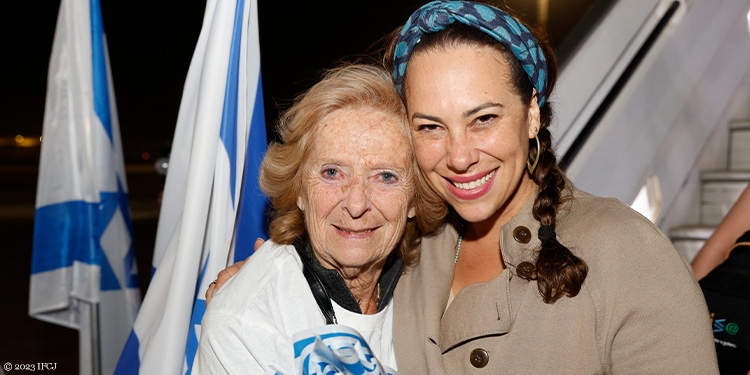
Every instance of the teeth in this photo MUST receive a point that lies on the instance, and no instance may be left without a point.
(474, 184)
(357, 232)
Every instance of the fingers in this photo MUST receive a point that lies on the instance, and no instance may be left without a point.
(223, 276)
(210, 291)
(227, 273)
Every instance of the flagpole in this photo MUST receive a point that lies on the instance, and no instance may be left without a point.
(96, 350)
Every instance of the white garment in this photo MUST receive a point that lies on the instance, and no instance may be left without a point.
(250, 321)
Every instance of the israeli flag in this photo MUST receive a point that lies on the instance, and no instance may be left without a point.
(83, 272)
(219, 142)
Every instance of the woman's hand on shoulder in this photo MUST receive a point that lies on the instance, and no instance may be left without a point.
(227, 273)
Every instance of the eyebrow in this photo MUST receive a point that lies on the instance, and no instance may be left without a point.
(481, 107)
(466, 114)
(425, 117)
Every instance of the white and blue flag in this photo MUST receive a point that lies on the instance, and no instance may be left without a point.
(83, 262)
(212, 210)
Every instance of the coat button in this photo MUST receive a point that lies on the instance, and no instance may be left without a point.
(522, 234)
(479, 357)
(525, 269)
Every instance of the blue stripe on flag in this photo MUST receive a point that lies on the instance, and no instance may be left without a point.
(199, 308)
(129, 362)
(129, 261)
(70, 231)
(228, 132)
(251, 214)
(99, 67)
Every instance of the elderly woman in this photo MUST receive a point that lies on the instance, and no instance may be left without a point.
(342, 187)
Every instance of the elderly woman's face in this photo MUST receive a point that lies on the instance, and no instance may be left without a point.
(357, 188)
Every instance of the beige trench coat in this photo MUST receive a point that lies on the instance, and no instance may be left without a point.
(640, 311)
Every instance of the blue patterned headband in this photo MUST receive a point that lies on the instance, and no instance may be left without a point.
(437, 15)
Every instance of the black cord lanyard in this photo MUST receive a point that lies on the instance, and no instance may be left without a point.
(317, 288)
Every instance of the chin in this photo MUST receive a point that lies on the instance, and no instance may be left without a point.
(356, 257)
(473, 214)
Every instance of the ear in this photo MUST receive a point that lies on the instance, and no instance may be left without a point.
(535, 122)
(412, 212)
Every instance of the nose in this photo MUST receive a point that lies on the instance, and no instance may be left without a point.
(357, 201)
(460, 152)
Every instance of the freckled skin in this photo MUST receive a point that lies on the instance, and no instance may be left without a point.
(357, 193)
(466, 121)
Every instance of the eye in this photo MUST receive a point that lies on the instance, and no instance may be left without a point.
(485, 119)
(329, 173)
(388, 177)
(427, 127)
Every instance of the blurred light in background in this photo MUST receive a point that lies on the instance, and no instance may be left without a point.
(161, 165)
(19, 140)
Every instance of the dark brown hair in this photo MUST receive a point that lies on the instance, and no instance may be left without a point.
(558, 271)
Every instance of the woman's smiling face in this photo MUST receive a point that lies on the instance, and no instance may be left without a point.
(470, 130)
(357, 188)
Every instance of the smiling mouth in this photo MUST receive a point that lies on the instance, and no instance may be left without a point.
(354, 231)
(473, 184)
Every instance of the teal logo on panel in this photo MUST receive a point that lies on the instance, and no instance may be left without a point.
(721, 325)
